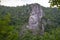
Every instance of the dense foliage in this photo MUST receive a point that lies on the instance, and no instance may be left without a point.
(7, 32)
(13, 18)
(55, 3)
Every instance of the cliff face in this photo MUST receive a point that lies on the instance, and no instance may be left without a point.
(35, 19)
(35, 22)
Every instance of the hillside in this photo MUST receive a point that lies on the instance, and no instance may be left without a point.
(19, 16)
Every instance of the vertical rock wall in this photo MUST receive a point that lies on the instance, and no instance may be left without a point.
(35, 19)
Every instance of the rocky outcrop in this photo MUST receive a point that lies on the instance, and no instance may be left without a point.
(35, 19)
(35, 23)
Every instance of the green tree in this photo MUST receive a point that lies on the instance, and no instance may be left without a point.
(7, 32)
(55, 3)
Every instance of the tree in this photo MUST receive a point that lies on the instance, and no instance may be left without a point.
(55, 3)
(7, 32)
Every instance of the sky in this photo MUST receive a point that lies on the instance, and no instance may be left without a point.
(24, 2)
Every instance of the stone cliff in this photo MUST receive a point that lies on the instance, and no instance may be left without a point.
(35, 23)
(35, 19)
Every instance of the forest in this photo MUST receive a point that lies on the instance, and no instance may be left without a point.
(13, 18)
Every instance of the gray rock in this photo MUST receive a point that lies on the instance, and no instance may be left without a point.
(35, 19)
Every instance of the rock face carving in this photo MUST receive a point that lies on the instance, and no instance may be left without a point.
(35, 19)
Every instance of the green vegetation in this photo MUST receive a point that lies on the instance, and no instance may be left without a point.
(55, 3)
(7, 32)
(52, 35)
(13, 18)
